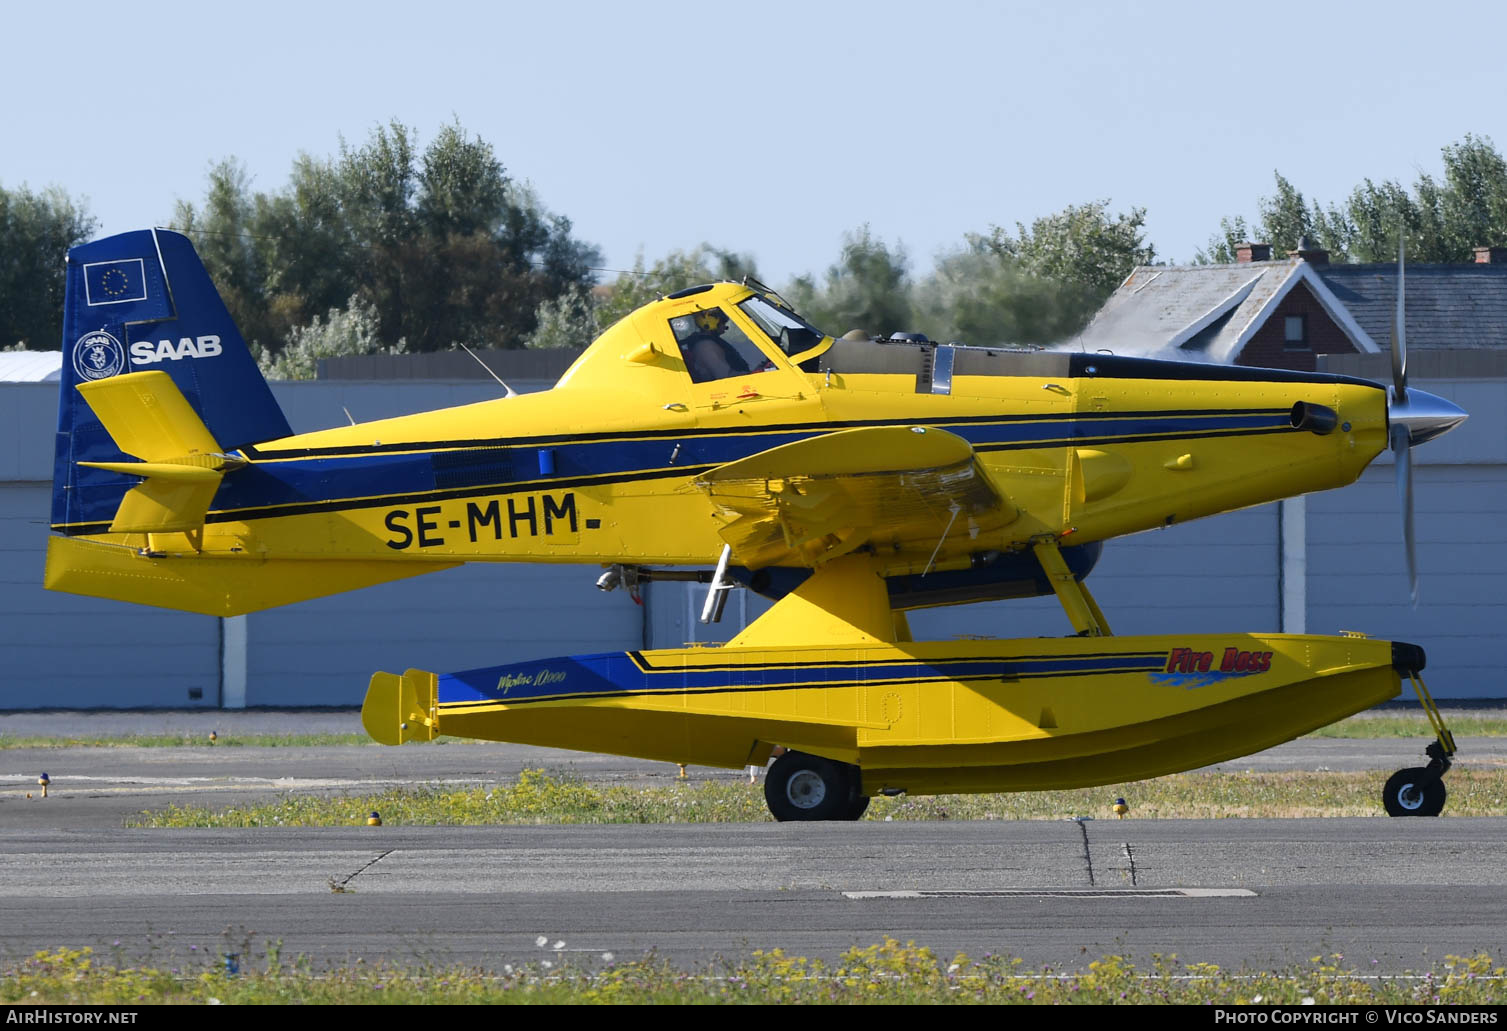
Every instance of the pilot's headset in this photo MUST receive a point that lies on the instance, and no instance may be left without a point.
(711, 321)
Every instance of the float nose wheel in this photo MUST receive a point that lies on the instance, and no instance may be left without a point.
(808, 787)
(1419, 790)
(1414, 792)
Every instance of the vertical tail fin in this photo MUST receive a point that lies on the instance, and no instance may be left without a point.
(143, 302)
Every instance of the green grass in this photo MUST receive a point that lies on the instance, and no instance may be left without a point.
(889, 973)
(1389, 724)
(538, 797)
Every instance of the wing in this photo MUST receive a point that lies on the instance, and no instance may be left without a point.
(813, 500)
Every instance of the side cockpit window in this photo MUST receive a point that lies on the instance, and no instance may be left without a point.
(714, 347)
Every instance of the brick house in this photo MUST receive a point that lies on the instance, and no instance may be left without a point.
(1298, 313)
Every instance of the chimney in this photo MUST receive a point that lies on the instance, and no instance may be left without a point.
(1491, 255)
(1310, 252)
(1249, 252)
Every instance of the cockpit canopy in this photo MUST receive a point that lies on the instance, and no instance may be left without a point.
(714, 345)
(709, 333)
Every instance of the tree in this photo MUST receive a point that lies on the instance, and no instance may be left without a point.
(228, 238)
(1285, 218)
(1222, 245)
(1039, 286)
(1473, 204)
(868, 289)
(1438, 220)
(441, 244)
(578, 315)
(1079, 246)
(352, 330)
(36, 230)
(980, 296)
(569, 320)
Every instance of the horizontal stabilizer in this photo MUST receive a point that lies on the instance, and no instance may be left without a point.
(160, 470)
(165, 505)
(147, 416)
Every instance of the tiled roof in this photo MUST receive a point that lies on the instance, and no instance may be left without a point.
(1206, 312)
(1447, 305)
(1186, 312)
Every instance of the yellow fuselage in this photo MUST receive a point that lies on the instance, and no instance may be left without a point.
(603, 468)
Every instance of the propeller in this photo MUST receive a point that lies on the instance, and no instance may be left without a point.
(1414, 416)
(1400, 437)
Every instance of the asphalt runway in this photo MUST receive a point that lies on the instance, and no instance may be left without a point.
(1390, 895)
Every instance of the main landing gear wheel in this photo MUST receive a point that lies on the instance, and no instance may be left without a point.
(1414, 792)
(808, 787)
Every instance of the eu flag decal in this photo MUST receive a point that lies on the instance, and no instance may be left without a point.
(115, 282)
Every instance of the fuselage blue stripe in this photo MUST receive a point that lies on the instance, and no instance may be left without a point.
(366, 480)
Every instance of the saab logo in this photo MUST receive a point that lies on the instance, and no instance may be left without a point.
(144, 352)
(98, 355)
(1186, 660)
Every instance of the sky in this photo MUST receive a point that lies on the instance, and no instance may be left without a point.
(771, 128)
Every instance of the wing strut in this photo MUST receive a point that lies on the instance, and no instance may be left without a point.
(716, 593)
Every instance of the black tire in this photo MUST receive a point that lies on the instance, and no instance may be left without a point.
(1403, 797)
(858, 808)
(807, 787)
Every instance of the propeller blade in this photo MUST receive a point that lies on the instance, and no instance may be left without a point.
(1400, 334)
(1402, 455)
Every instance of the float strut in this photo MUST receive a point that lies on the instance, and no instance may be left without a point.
(1442, 749)
(1082, 611)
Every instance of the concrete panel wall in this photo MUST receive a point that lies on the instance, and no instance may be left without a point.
(319, 404)
(62, 651)
(322, 652)
(1213, 575)
(1208, 576)
(28, 431)
(1357, 578)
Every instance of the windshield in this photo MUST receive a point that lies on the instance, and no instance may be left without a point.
(793, 333)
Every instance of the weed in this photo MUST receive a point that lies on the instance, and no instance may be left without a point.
(538, 797)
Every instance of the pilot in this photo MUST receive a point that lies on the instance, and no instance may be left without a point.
(706, 358)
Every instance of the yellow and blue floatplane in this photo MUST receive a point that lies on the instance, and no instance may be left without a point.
(851, 479)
